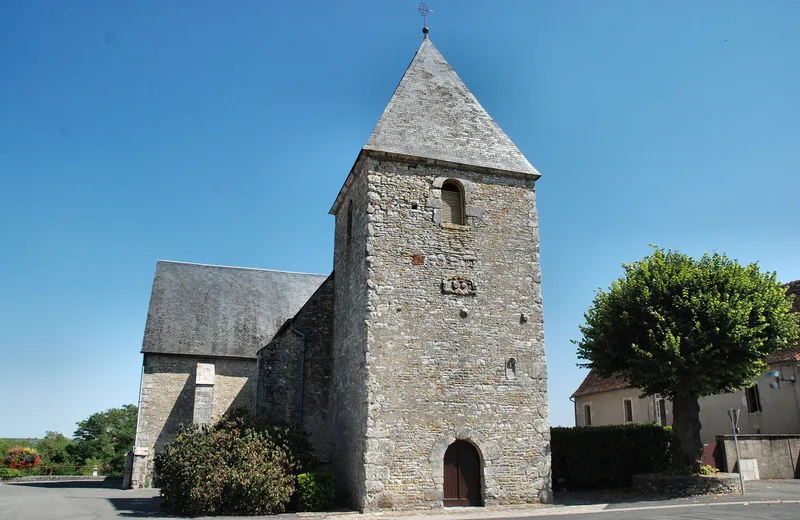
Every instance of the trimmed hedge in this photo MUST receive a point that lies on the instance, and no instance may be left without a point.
(9, 472)
(603, 457)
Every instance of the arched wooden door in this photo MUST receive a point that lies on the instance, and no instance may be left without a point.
(462, 475)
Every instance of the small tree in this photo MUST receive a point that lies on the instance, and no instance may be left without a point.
(53, 449)
(686, 328)
(106, 436)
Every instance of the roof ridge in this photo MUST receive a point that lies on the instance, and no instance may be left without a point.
(237, 267)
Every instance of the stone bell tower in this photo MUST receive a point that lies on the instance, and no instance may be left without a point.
(439, 383)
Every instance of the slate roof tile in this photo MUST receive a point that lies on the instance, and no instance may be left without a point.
(209, 310)
(433, 115)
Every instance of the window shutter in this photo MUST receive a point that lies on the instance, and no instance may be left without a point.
(451, 206)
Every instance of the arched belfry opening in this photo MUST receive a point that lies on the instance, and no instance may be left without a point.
(462, 475)
(452, 203)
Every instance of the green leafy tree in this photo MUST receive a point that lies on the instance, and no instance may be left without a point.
(686, 328)
(53, 449)
(105, 436)
(7, 443)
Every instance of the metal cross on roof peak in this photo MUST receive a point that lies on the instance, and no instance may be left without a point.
(424, 10)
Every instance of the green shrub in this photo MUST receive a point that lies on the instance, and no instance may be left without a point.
(89, 465)
(20, 457)
(260, 480)
(314, 491)
(296, 445)
(293, 441)
(604, 457)
(707, 469)
(191, 473)
(9, 472)
(230, 468)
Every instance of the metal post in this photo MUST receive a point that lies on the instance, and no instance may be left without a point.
(733, 413)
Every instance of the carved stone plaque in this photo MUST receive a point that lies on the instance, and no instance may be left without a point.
(460, 285)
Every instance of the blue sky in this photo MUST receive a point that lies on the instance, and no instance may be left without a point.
(136, 131)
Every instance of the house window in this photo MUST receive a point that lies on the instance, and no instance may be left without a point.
(753, 400)
(452, 203)
(662, 412)
(587, 415)
(627, 405)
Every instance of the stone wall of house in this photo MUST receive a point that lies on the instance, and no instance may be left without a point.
(455, 344)
(348, 407)
(280, 373)
(167, 400)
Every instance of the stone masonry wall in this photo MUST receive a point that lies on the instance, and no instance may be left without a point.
(687, 485)
(279, 372)
(166, 401)
(455, 337)
(777, 456)
(348, 391)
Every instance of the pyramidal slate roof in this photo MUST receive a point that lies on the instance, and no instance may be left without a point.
(210, 310)
(432, 114)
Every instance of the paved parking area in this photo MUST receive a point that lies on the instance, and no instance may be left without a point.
(776, 500)
(76, 501)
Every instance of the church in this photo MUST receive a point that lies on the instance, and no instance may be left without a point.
(417, 367)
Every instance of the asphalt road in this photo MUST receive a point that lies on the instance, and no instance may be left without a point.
(97, 501)
(712, 512)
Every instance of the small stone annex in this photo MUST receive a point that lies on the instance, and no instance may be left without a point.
(417, 366)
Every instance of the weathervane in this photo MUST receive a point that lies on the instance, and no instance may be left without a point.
(424, 10)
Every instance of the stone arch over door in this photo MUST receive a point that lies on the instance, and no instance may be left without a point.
(488, 455)
(462, 475)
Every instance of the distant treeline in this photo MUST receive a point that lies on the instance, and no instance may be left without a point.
(102, 439)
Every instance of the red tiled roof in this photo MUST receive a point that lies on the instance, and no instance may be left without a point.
(792, 354)
(594, 384)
